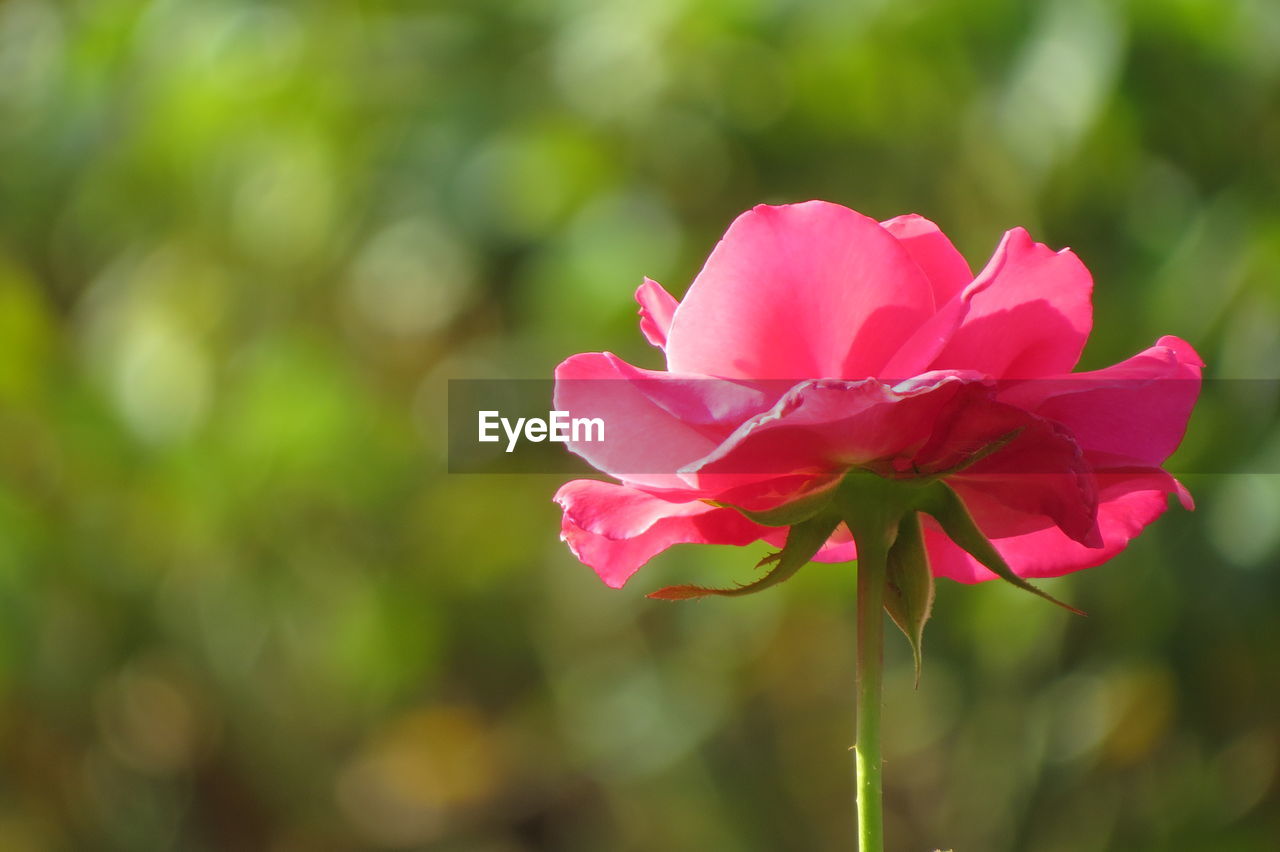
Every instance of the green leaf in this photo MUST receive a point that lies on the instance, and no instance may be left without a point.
(788, 514)
(909, 585)
(949, 510)
(769, 559)
(803, 541)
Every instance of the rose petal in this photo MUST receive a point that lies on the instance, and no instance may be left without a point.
(1126, 504)
(1042, 471)
(615, 529)
(947, 270)
(839, 548)
(655, 422)
(824, 427)
(922, 347)
(810, 290)
(1134, 412)
(657, 307)
(1030, 316)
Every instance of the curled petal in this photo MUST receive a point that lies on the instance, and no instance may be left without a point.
(947, 270)
(1029, 313)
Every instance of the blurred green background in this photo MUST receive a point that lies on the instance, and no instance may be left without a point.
(243, 246)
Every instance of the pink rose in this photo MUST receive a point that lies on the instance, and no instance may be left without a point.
(817, 341)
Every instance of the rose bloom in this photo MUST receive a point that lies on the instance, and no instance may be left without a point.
(816, 341)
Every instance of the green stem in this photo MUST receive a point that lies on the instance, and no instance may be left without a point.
(870, 668)
(872, 508)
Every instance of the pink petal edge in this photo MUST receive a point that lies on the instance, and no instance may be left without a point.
(657, 307)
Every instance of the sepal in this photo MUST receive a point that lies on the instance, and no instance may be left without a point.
(946, 507)
(788, 514)
(803, 542)
(908, 594)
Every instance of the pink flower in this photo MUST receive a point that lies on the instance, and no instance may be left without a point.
(816, 341)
